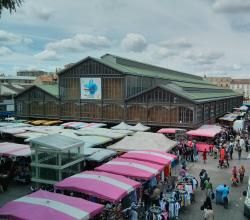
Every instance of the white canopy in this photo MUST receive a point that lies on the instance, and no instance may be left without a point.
(238, 125)
(243, 108)
(100, 155)
(144, 141)
(122, 126)
(140, 127)
(104, 132)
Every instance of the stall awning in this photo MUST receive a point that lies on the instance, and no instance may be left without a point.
(78, 125)
(144, 141)
(106, 186)
(122, 126)
(57, 142)
(104, 132)
(229, 117)
(16, 150)
(169, 130)
(131, 168)
(101, 155)
(43, 205)
(151, 156)
(205, 131)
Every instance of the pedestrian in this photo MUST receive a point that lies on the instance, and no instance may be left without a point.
(204, 155)
(227, 157)
(239, 149)
(242, 173)
(195, 152)
(208, 188)
(234, 172)
(231, 149)
(207, 208)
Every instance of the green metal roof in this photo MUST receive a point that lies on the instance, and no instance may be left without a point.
(137, 68)
(200, 95)
(51, 89)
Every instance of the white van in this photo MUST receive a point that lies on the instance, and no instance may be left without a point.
(247, 201)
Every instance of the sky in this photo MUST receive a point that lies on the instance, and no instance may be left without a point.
(200, 37)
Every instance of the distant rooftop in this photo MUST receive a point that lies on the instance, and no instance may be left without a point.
(18, 77)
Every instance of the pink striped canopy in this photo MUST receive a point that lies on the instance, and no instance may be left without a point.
(106, 186)
(152, 156)
(12, 149)
(131, 168)
(43, 205)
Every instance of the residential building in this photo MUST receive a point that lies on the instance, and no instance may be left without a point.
(46, 79)
(220, 81)
(241, 86)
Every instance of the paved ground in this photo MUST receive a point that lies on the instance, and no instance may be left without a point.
(193, 212)
(219, 176)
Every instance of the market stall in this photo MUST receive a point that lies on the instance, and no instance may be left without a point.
(204, 136)
(171, 132)
(103, 188)
(43, 205)
(144, 141)
(139, 170)
(14, 163)
(228, 119)
(104, 132)
(99, 157)
(153, 156)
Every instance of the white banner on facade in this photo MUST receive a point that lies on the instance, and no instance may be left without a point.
(91, 88)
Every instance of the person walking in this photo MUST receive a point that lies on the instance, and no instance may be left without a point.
(208, 188)
(231, 149)
(204, 155)
(208, 210)
(242, 173)
(239, 148)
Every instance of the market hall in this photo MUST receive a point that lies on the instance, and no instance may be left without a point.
(112, 89)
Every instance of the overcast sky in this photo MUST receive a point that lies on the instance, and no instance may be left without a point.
(209, 37)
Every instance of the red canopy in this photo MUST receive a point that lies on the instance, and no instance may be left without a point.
(205, 131)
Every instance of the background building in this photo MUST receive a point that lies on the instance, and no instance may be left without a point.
(7, 94)
(35, 73)
(21, 80)
(113, 89)
(241, 86)
(220, 81)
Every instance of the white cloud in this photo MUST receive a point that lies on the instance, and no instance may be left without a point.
(161, 52)
(80, 42)
(181, 43)
(43, 13)
(232, 6)
(134, 42)
(27, 40)
(203, 57)
(48, 55)
(8, 38)
(4, 51)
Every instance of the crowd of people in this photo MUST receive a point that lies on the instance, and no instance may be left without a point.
(228, 145)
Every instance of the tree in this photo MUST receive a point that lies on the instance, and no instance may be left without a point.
(10, 5)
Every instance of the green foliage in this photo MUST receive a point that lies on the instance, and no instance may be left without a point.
(10, 5)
